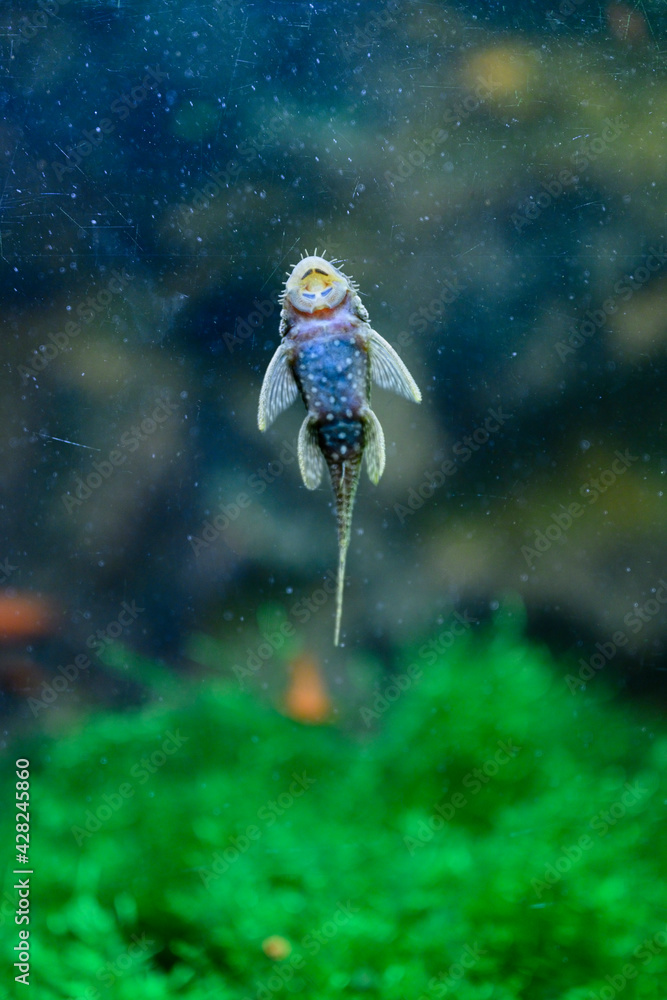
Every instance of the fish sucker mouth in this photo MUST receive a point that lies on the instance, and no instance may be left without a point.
(316, 280)
(316, 289)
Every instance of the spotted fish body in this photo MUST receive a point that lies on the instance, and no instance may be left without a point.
(330, 356)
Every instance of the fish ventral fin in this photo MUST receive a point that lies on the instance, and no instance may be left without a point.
(388, 371)
(373, 446)
(311, 460)
(279, 388)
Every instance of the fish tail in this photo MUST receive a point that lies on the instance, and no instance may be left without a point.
(344, 479)
(342, 556)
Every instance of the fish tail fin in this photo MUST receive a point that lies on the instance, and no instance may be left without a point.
(344, 479)
(342, 557)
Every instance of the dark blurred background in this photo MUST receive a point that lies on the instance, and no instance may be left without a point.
(165, 163)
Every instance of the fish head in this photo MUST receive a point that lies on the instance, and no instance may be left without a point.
(316, 284)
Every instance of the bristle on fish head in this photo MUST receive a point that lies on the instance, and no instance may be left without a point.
(316, 284)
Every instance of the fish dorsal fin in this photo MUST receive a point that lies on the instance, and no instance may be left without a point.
(388, 371)
(373, 446)
(279, 388)
(311, 461)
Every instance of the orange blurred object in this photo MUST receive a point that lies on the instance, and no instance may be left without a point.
(276, 947)
(626, 23)
(20, 676)
(25, 616)
(307, 699)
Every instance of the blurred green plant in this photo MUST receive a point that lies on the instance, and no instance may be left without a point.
(492, 837)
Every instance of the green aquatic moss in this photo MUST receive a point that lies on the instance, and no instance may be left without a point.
(490, 835)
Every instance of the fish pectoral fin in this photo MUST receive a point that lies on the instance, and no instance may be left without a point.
(279, 388)
(311, 460)
(373, 446)
(388, 371)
